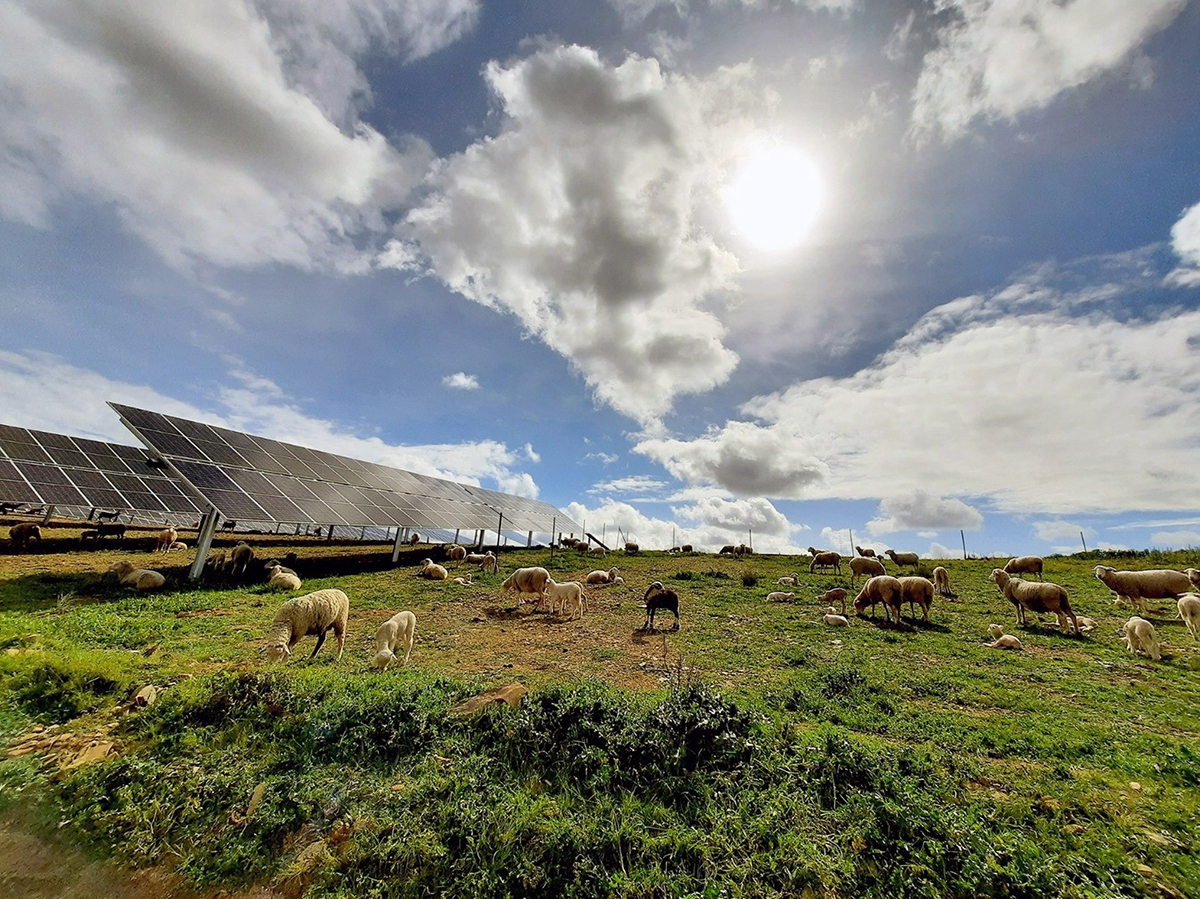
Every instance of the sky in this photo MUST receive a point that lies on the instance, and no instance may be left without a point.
(710, 272)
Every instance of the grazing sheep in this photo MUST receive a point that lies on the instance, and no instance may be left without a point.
(911, 559)
(1138, 586)
(464, 581)
(826, 560)
(779, 596)
(867, 552)
(1024, 565)
(861, 565)
(280, 578)
(659, 598)
(838, 595)
(399, 629)
(1189, 611)
(528, 580)
(568, 594)
(489, 562)
(139, 578)
(456, 553)
(216, 561)
(1140, 637)
(941, 582)
(177, 547)
(431, 570)
(21, 534)
(833, 619)
(917, 591)
(686, 548)
(1038, 598)
(727, 550)
(598, 551)
(111, 530)
(793, 581)
(240, 558)
(313, 614)
(164, 539)
(601, 577)
(89, 534)
(631, 548)
(880, 589)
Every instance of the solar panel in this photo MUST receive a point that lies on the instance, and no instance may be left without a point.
(245, 476)
(80, 476)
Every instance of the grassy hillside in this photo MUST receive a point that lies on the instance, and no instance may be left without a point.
(754, 752)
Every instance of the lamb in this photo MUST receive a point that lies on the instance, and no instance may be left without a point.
(1025, 565)
(568, 594)
(89, 534)
(1189, 611)
(527, 580)
(598, 551)
(918, 591)
(177, 547)
(1039, 598)
(659, 598)
(838, 595)
(1001, 640)
(1140, 637)
(464, 581)
(881, 588)
(433, 571)
(138, 578)
(1194, 576)
(111, 530)
(904, 558)
(399, 629)
(414, 539)
(165, 538)
(833, 619)
(22, 534)
(779, 596)
(866, 552)
(862, 565)
(631, 548)
(240, 558)
(996, 631)
(826, 560)
(487, 562)
(1137, 586)
(618, 581)
(456, 553)
(793, 581)
(313, 614)
(275, 563)
(280, 578)
(601, 577)
(941, 582)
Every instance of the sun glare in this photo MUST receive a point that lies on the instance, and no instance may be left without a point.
(775, 197)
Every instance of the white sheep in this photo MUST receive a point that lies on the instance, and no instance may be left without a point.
(464, 581)
(863, 565)
(280, 578)
(1006, 641)
(1194, 576)
(838, 595)
(456, 553)
(880, 589)
(941, 581)
(431, 570)
(490, 563)
(601, 578)
(1138, 586)
(917, 591)
(1140, 637)
(1035, 597)
(399, 629)
(780, 596)
(164, 539)
(528, 580)
(567, 595)
(313, 614)
(996, 631)
(1086, 625)
(1024, 565)
(1189, 611)
(904, 558)
(618, 581)
(826, 560)
(793, 581)
(177, 547)
(138, 578)
(833, 619)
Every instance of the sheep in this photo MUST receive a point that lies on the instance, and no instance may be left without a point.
(22, 534)
(598, 551)
(631, 548)
(568, 594)
(1194, 576)
(139, 578)
(941, 581)
(862, 565)
(431, 570)
(312, 614)
(792, 581)
(1189, 611)
(1138, 586)
(743, 550)
(833, 619)
(414, 539)
(618, 581)
(280, 578)
(275, 563)
(464, 581)
(240, 558)
(1140, 637)
(911, 559)
(456, 553)
(177, 547)
(996, 631)
(111, 530)
(727, 550)
(399, 629)
(917, 591)
(659, 598)
(6, 508)
(779, 596)
(826, 560)
(813, 551)
(89, 534)
(1006, 641)
(838, 595)
(1039, 598)
(527, 580)
(164, 538)
(476, 558)
(686, 548)
(1024, 565)
(881, 588)
(487, 562)
(674, 550)
(108, 516)
(601, 578)
(866, 552)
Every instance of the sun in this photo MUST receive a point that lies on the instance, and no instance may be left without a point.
(775, 197)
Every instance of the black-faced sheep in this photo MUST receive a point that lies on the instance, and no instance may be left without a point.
(1025, 565)
(826, 560)
(1140, 637)
(659, 598)
(1038, 598)
(130, 575)
(910, 559)
(22, 534)
(862, 565)
(414, 539)
(880, 589)
(314, 614)
(397, 630)
(1138, 586)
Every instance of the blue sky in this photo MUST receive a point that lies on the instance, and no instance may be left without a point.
(500, 242)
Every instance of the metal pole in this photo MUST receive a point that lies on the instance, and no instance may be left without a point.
(964, 542)
(853, 548)
(49, 514)
(1084, 542)
(396, 547)
(499, 528)
(456, 535)
(529, 539)
(553, 536)
(204, 538)
(751, 532)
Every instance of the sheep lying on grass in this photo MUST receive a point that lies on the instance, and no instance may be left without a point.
(911, 559)
(1138, 586)
(838, 595)
(280, 578)
(567, 595)
(793, 581)
(314, 614)
(659, 598)
(164, 538)
(431, 570)
(880, 589)
(1189, 611)
(1024, 565)
(1086, 625)
(138, 578)
(177, 547)
(1140, 637)
(464, 581)
(397, 630)
(601, 578)
(826, 560)
(22, 534)
(861, 565)
(1035, 597)
(528, 580)
(941, 582)
(780, 596)
(833, 619)
(1002, 640)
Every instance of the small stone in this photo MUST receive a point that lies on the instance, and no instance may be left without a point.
(94, 752)
(1134, 785)
(145, 696)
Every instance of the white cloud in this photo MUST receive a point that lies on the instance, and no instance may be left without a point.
(1159, 523)
(999, 58)
(634, 484)
(922, 511)
(1175, 538)
(1185, 239)
(580, 216)
(460, 380)
(1060, 530)
(186, 118)
(737, 516)
(605, 458)
(938, 551)
(899, 41)
(41, 391)
(531, 454)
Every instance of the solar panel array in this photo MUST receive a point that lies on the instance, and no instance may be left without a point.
(255, 478)
(73, 473)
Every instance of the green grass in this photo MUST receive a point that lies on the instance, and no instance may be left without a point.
(755, 752)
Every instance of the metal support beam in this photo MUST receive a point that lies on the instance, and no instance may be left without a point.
(49, 514)
(396, 546)
(456, 535)
(529, 539)
(499, 529)
(204, 538)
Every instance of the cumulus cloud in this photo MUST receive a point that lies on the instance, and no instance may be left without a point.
(1175, 538)
(580, 218)
(460, 380)
(922, 511)
(996, 59)
(39, 390)
(634, 484)
(1058, 529)
(1185, 240)
(195, 120)
(938, 551)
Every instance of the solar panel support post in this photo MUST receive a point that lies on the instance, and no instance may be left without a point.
(499, 528)
(456, 535)
(396, 546)
(204, 538)
(49, 514)
(529, 539)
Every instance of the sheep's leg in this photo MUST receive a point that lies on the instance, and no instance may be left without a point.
(340, 633)
(408, 649)
(317, 648)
